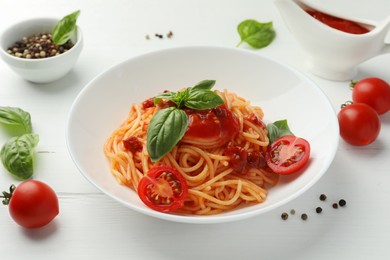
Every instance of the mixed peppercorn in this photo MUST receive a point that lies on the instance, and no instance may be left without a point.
(304, 216)
(38, 46)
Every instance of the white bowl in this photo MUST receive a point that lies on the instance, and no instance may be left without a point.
(282, 92)
(39, 70)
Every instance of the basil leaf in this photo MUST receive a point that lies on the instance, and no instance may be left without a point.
(165, 130)
(203, 99)
(17, 155)
(17, 119)
(65, 28)
(167, 95)
(256, 34)
(204, 84)
(278, 129)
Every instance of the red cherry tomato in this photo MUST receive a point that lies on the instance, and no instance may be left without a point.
(287, 154)
(359, 124)
(32, 204)
(374, 92)
(163, 189)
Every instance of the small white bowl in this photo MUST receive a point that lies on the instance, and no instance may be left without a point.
(41, 70)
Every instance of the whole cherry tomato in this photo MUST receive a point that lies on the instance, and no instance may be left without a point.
(374, 92)
(359, 124)
(163, 188)
(32, 203)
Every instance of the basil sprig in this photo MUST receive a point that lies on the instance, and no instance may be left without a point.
(256, 34)
(65, 28)
(278, 129)
(168, 126)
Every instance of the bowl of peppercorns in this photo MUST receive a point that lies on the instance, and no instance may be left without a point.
(42, 50)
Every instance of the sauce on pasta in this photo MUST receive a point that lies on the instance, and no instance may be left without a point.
(223, 165)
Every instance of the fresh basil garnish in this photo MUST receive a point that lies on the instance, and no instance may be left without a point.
(65, 28)
(204, 84)
(17, 120)
(165, 129)
(202, 99)
(168, 126)
(256, 34)
(17, 155)
(278, 129)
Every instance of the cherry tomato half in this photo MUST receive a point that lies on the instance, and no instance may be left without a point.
(163, 189)
(374, 92)
(287, 154)
(359, 124)
(33, 204)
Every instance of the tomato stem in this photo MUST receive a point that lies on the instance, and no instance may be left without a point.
(8, 195)
(347, 103)
(353, 83)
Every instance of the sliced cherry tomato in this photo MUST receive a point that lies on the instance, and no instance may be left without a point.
(374, 92)
(163, 189)
(32, 204)
(359, 124)
(211, 128)
(287, 154)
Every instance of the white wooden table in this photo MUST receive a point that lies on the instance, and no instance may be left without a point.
(93, 226)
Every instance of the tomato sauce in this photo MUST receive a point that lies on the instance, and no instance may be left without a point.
(338, 23)
(217, 125)
(241, 160)
(132, 144)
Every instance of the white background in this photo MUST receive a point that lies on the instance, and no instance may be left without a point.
(93, 226)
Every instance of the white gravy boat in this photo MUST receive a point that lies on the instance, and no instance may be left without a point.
(331, 53)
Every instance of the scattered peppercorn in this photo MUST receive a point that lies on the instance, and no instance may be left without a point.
(304, 216)
(342, 203)
(147, 37)
(159, 35)
(284, 216)
(322, 197)
(335, 206)
(318, 210)
(38, 46)
(170, 34)
(292, 211)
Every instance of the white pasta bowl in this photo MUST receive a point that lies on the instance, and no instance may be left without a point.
(282, 92)
(42, 70)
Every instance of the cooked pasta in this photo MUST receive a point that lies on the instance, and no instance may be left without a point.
(214, 185)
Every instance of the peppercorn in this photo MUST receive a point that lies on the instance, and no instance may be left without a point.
(342, 203)
(304, 216)
(37, 46)
(284, 216)
(318, 210)
(335, 206)
(292, 211)
(322, 197)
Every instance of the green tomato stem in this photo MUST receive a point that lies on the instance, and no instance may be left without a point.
(8, 195)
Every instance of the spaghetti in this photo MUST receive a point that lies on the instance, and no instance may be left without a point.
(214, 183)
